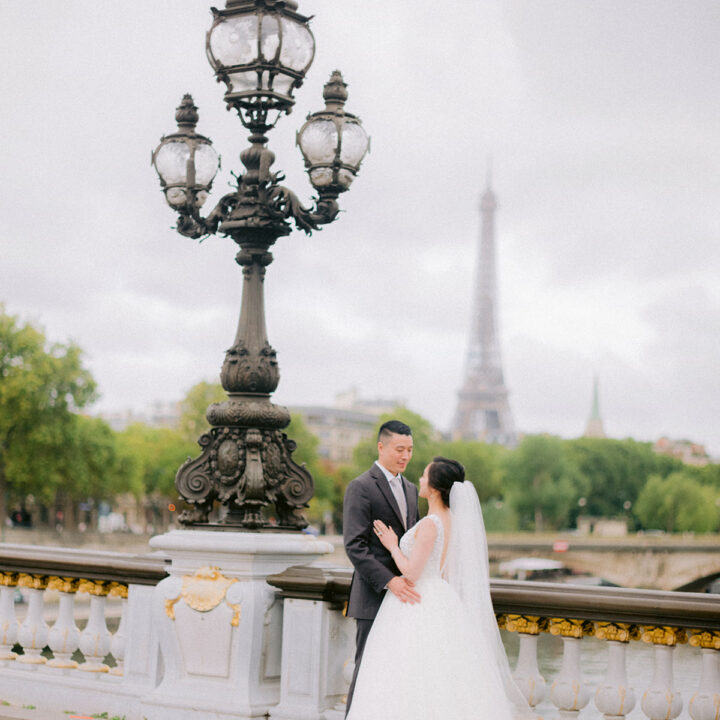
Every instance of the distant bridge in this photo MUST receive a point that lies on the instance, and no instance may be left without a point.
(660, 563)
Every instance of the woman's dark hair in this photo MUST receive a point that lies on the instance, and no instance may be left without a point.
(442, 474)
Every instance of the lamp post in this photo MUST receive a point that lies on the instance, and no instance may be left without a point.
(261, 50)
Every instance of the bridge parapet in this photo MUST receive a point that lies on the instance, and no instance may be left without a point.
(47, 662)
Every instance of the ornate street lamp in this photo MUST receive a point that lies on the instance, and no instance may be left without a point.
(261, 50)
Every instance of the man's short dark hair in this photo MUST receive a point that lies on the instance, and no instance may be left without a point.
(393, 427)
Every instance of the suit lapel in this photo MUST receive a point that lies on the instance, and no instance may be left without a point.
(410, 500)
(384, 487)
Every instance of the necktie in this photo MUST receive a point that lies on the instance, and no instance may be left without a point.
(396, 487)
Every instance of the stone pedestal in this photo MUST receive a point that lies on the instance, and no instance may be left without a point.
(220, 624)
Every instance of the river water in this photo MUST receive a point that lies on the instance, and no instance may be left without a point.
(687, 665)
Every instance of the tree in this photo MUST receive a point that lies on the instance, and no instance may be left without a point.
(41, 386)
(483, 465)
(194, 406)
(327, 493)
(544, 483)
(150, 458)
(677, 503)
(617, 471)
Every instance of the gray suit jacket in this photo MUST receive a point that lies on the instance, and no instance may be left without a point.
(367, 498)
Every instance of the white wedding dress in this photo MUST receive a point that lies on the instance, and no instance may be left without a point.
(430, 661)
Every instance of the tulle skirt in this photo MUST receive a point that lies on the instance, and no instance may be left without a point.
(420, 664)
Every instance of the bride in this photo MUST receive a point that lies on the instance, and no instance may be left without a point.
(443, 657)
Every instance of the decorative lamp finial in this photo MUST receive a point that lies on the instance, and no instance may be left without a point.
(335, 90)
(186, 113)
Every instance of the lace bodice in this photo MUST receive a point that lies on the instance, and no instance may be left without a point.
(432, 567)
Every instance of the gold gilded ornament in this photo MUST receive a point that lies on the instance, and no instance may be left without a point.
(63, 584)
(526, 624)
(204, 591)
(94, 587)
(118, 590)
(8, 579)
(705, 639)
(571, 628)
(664, 635)
(35, 582)
(617, 632)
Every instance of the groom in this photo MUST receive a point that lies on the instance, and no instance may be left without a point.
(381, 493)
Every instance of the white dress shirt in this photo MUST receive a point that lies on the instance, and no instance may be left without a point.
(395, 482)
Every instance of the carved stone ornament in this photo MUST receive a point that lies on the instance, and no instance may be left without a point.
(34, 582)
(617, 632)
(526, 624)
(571, 628)
(204, 591)
(664, 635)
(705, 639)
(94, 587)
(8, 579)
(63, 584)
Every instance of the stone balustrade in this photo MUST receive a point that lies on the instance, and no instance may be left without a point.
(46, 660)
(617, 616)
(91, 639)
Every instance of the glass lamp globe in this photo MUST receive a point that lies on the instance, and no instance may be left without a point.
(261, 51)
(333, 142)
(185, 161)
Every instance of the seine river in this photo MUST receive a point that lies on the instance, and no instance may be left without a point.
(687, 665)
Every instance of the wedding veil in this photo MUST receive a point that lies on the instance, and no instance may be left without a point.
(467, 571)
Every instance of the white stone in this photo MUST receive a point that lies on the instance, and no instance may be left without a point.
(705, 703)
(527, 674)
(614, 698)
(212, 668)
(660, 701)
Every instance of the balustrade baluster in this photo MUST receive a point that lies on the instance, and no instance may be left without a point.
(705, 703)
(527, 674)
(33, 632)
(8, 619)
(567, 691)
(119, 639)
(95, 638)
(660, 701)
(64, 635)
(614, 698)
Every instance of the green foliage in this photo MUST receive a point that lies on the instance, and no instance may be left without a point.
(678, 503)
(150, 457)
(617, 471)
(194, 406)
(544, 483)
(483, 465)
(42, 385)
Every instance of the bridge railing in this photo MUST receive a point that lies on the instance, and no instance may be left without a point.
(46, 660)
(114, 661)
(617, 616)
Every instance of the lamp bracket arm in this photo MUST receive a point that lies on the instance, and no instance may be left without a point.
(284, 203)
(191, 224)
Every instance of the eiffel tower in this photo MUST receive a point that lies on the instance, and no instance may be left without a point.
(483, 411)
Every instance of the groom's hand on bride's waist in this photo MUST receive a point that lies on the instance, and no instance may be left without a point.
(404, 589)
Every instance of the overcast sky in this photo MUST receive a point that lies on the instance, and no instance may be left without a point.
(603, 124)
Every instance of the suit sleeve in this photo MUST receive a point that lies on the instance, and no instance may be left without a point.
(417, 505)
(357, 526)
